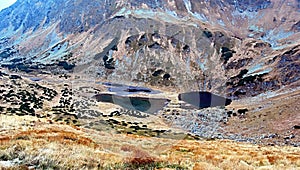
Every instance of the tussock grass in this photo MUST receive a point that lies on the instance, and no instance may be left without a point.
(41, 145)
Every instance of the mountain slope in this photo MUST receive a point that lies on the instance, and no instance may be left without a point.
(141, 68)
(212, 43)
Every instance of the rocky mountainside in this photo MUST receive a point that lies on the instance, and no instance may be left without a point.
(237, 46)
(176, 69)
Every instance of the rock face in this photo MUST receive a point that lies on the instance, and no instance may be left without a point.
(161, 43)
(33, 14)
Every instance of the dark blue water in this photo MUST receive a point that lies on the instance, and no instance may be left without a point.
(143, 104)
(121, 89)
(203, 99)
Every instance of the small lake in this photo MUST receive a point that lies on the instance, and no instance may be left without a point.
(124, 90)
(35, 78)
(143, 104)
(203, 99)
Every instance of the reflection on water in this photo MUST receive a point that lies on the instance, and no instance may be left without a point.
(121, 89)
(122, 98)
(203, 99)
(35, 79)
(143, 104)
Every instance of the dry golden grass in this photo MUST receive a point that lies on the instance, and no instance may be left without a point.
(232, 155)
(40, 144)
(276, 115)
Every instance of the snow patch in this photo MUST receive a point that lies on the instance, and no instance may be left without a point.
(257, 69)
(188, 6)
(167, 16)
(55, 53)
(273, 37)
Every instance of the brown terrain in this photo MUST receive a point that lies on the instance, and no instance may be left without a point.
(38, 143)
(141, 84)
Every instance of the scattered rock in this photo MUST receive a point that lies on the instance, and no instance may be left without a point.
(242, 111)
(157, 72)
(207, 33)
(297, 127)
(15, 77)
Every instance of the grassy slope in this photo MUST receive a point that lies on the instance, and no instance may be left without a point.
(41, 144)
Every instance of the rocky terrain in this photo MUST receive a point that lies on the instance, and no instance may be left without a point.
(174, 73)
